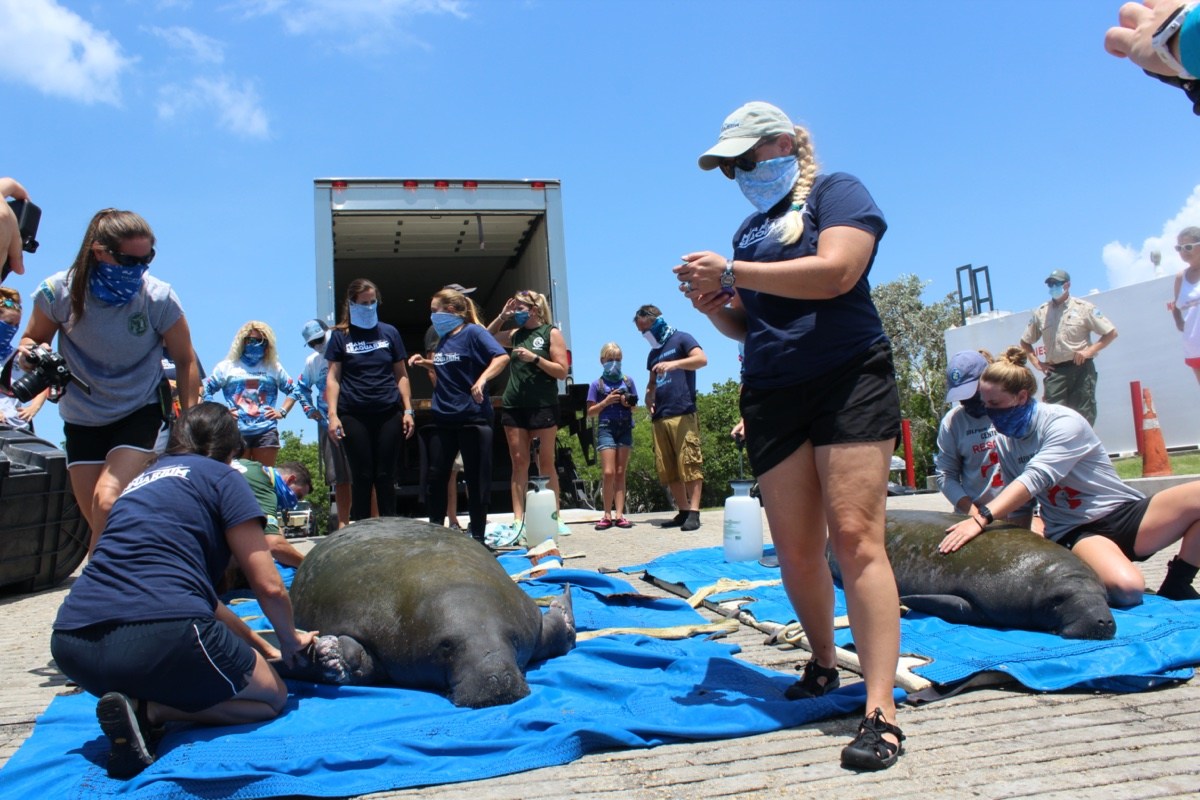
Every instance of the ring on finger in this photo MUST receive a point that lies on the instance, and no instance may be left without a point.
(686, 286)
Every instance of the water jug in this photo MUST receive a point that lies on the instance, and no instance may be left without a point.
(743, 524)
(541, 513)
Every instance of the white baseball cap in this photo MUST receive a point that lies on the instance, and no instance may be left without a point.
(743, 129)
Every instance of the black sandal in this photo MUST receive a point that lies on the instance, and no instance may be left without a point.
(130, 751)
(815, 682)
(869, 750)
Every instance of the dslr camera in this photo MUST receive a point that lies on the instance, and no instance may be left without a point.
(47, 370)
(29, 216)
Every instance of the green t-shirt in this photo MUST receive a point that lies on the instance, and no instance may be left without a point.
(262, 483)
(528, 384)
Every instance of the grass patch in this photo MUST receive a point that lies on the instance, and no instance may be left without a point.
(1181, 464)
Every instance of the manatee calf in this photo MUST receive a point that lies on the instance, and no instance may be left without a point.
(1007, 577)
(405, 602)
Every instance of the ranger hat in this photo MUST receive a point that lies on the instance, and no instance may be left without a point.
(1059, 276)
(962, 375)
(313, 330)
(743, 129)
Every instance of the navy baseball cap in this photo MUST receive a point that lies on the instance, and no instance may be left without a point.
(962, 375)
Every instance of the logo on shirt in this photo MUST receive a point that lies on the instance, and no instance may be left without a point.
(538, 342)
(154, 475)
(138, 324)
(367, 347)
(759, 232)
(440, 358)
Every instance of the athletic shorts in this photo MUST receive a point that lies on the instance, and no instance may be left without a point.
(91, 444)
(677, 455)
(856, 402)
(268, 438)
(333, 456)
(611, 435)
(1119, 526)
(188, 664)
(530, 419)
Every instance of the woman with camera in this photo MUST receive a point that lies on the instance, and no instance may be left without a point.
(112, 321)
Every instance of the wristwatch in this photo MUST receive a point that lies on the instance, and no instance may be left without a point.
(727, 276)
(986, 513)
(1161, 40)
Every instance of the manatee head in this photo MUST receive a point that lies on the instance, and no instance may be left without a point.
(490, 679)
(1080, 613)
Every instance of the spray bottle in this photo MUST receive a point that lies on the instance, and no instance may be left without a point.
(743, 519)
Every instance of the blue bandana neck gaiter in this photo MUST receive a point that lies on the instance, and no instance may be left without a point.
(1015, 422)
(115, 285)
(284, 494)
(769, 181)
(364, 315)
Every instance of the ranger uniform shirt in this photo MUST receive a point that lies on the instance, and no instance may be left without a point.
(1065, 328)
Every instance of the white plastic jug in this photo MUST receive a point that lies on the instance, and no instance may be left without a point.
(541, 513)
(743, 524)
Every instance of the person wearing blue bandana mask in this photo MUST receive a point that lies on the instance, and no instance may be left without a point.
(611, 400)
(461, 363)
(671, 399)
(966, 464)
(369, 397)
(1050, 453)
(819, 397)
(112, 319)
(13, 413)
(252, 382)
(277, 490)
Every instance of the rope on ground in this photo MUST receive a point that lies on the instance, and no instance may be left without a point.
(726, 585)
(793, 634)
(672, 632)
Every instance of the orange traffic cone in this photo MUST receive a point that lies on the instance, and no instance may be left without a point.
(1155, 463)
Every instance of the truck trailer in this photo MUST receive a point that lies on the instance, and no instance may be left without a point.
(413, 236)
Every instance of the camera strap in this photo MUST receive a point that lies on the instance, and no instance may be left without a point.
(6, 376)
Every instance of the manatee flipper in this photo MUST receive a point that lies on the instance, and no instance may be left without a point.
(557, 636)
(331, 659)
(949, 607)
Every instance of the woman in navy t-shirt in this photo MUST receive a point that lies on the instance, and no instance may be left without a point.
(370, 405)
(465, 359)
(142, 627)
(819, 394)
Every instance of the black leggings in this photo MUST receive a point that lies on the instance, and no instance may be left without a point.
(474, 440)
(372, 444)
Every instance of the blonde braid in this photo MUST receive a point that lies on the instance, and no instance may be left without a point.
(791, 227)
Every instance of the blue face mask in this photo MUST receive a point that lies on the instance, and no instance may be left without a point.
(975, 407)
(364, 315)
(253, 352)
(115, 285)
(769, 181)
(284, 495)
(659, 332)
(444, 322)
(612, 370)
(7, 332)
(1056, 291)
(520, 318)
(1016, 421)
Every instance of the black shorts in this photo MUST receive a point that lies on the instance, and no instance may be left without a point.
(87, 444)
(857, 402)
(530, 419)
(268, 438)
(188, 664)
(1120, 526)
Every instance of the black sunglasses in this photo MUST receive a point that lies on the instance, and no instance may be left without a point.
(744, 162)
(126, 260)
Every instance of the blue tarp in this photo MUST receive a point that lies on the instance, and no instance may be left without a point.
(620, 691)
(1155, 642)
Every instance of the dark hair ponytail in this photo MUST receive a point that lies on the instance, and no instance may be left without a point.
(206, 429)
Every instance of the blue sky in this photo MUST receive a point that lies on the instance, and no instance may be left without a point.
(987, 134)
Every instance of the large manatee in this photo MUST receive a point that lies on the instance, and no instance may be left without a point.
(405, 602)
(1007, 577)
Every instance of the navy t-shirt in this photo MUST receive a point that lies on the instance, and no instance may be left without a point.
(789, 341)
(367, 356)
(458, 361)
(164, 547)
(674, 391)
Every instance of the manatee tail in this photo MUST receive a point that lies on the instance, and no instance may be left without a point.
(558, 628)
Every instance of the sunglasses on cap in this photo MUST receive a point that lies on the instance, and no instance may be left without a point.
(1186, 248)
(126, 260)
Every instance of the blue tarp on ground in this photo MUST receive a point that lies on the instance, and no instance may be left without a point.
(611, 692)
(1155, 642)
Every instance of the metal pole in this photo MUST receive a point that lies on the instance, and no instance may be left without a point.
(1135, 397)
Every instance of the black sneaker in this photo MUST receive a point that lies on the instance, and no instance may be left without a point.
(815, 682)
(692, 523)
(869, 750)
(129, 752)
(675, 521)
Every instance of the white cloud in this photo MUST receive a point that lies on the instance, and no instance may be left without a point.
(1127, 265)
(237, 107)
(197, 46)
(59, 53)
(358, 23)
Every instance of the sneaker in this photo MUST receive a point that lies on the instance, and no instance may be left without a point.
(675, 521)
(623, 523)
(815, 681)
(692, 523)
(129, 751)
(869, 750)
(563, 530)
(604, 524)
